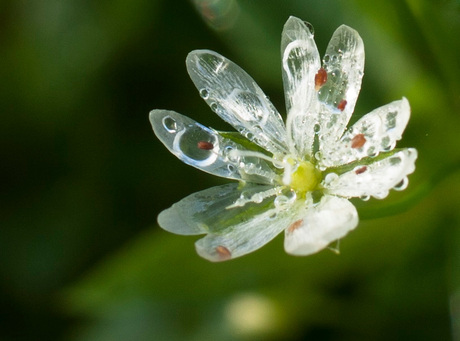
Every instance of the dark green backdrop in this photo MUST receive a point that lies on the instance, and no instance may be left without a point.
(83, 177)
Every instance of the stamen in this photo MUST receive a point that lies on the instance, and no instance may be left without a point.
(342, 104)
(361, 170)
(320, 78)
(358, 141)
(205, 145)
(294, 226)
(223, 252)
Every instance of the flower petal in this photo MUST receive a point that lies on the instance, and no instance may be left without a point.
(300, 64)
(237, 99)
(206, 149)
(376, 132)
(200, 212)
(247, 235)
(322, 224)
(375, 179)
(232, 230)
(344, 64)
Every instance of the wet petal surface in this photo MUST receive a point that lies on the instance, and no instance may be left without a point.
(237, 99)
(375, 179)
(344, 64)
(232, 230)
(300, 64)
(376, 132)
(206, 149)
(248, 234)
(206, 211)
(332, 218)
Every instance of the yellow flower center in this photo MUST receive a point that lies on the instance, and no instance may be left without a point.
(305, 178)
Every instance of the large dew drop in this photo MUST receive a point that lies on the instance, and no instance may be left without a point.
(188, 142)
(170, 124)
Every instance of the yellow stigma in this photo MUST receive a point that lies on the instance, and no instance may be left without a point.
(305, 178)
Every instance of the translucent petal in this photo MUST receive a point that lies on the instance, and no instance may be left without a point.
(320, 225)
(375, 179)
(207, 150)
(300, 64)
(232, 230)
(376, 132)
(248, 233)
(344, 64)
(237, 99)
(206, 211)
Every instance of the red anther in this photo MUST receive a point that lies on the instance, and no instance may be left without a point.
(295, 225)
(342, 104)
(361, 170)
(205, 145)
(358, 141)
(320, 78)
(223, 252)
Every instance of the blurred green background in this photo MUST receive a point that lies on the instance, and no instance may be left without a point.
(84, 178)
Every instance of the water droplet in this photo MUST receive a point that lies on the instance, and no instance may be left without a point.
(246, 196)
(326, 58)
(278, 160)
(231, 153)
(214, 107)
(257, 198)
(249, 168)
(330, 178)
(318, 155)
(371, 151)
(385, 143)
(231, 168)
(280, 201)
(365, 197)
(310, 27)
(286, 198)
(402, 185)
(272, 216)
(204, 93)
(391, 120)
(394, 161)
(196, 143)
(169, 124)
(249, 135)
(317, 128)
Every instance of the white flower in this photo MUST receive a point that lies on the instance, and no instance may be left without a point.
(296, 176)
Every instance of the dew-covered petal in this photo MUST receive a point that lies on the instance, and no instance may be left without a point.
(376, 132)
(206, 211)
(248, 233)
(233, 230)
(331, 219)
(206, 149)
(300, 64)
(344, 64)
(237, 99)
(374, 179)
